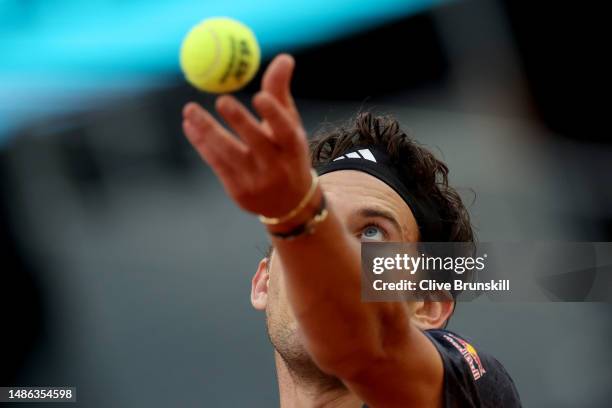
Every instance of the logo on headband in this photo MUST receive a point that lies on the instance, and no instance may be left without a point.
(359, 154)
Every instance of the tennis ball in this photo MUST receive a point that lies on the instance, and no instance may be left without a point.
(219, 55)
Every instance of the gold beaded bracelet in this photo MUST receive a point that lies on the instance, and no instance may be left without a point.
(278, 220)
(306, 228)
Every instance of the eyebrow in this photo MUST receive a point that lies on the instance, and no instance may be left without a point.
(376, 212)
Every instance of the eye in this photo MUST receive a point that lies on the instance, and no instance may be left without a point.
(373, 232)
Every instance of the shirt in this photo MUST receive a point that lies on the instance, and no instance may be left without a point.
(471, 378)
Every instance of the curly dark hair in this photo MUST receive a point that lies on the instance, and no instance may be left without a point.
(427, 176)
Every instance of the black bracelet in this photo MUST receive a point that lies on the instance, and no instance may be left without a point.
(308, 227)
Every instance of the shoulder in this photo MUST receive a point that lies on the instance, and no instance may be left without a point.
(472, 377)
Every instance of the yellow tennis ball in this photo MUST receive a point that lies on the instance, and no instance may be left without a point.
(220, 55)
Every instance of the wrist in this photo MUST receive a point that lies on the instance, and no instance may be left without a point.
(299, 207)
(311, 208)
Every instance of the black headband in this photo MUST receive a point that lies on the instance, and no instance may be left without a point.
(376, 162)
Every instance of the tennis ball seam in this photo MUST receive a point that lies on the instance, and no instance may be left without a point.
(212, 67)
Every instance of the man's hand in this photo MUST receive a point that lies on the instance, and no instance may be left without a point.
(265, 170)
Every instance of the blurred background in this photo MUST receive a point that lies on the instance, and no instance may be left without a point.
(125, 269)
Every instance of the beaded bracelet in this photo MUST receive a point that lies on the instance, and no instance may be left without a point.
(308, 227)
(278, 220)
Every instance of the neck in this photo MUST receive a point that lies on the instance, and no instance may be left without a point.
(319, 390)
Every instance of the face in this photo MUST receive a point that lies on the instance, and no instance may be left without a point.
(369, 210)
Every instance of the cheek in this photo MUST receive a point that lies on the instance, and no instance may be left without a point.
(276, 282)
(276, 276)
(277, 295)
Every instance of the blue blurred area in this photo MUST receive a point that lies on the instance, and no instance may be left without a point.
(54, 56)
(127, 268)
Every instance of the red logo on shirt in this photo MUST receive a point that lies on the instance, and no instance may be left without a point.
(469, 354)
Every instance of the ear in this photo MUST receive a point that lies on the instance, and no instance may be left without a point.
(259, 285)
(431, 314)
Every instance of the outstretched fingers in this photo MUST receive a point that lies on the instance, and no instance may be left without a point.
(216, 145)
(250, 130)
(277, 81)
(286, 133)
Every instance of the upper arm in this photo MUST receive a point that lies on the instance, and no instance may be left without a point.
(410, 373)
